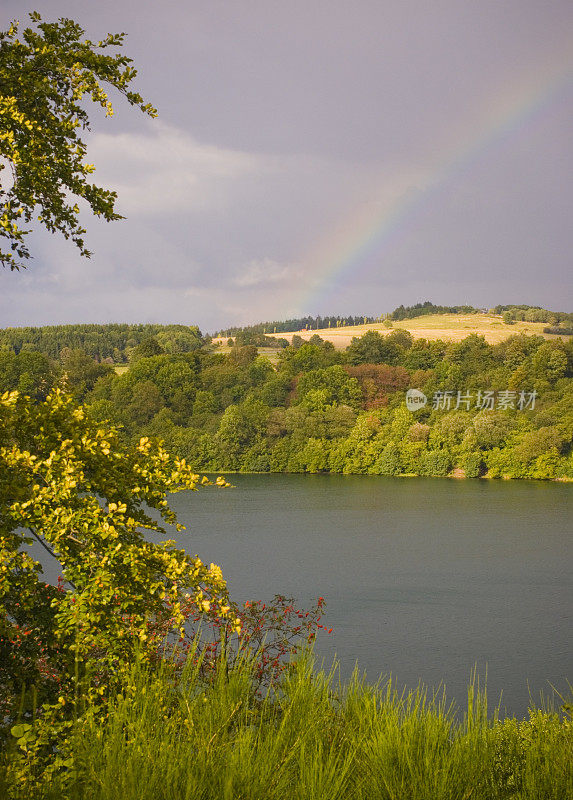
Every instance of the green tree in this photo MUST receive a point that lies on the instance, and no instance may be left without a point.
(473, 465)
(535, 443)
(239, 429)
(516, 349)
(549, 362)
(316, 339)
(180, 339)
(388, 462)
(28, 372)
(81, 372)
(148, 347)
(372, 348)
(146, 401)
(401, 337)
(333, 385)
(435, 463)
(307, 357)
(473, 355)
(492, 428)
(67, 482)
(424, 354)
(44, 76)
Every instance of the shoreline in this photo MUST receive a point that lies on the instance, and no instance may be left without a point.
(452, 476)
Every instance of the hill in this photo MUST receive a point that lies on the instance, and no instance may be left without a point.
(449, 327)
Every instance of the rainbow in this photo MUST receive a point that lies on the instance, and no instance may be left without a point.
(368, 231)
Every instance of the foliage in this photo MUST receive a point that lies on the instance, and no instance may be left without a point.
(533, 313)
(68, 484)
(80, 372)
(95, 505)
(373, 348)
(319, 388)
(45, 74)
(30, 372)
(313, 411)
(113, 342)
(559, 330)
(297, 324)
(252, 336)
(473, 465)
(270, 633)
(424, 309)
(147, 348)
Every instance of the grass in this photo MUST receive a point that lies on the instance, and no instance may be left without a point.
(315, 739)
(450, 327)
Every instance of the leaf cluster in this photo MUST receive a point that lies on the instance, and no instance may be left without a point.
(46, 74)
(94, 506)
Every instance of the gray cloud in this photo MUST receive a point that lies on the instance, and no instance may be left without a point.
(289, 131)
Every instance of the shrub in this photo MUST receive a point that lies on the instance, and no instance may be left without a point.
(435, 463)
(473, 465)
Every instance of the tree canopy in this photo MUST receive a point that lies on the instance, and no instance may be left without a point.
(45, 75)
(69, 484)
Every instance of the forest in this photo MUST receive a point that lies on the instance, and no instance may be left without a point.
(316, 409)
(112, 343)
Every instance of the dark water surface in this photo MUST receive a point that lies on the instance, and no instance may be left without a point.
(423, 577)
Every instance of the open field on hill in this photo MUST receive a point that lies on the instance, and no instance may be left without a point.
(452, 327)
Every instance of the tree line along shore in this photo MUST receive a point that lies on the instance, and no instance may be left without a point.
(491, 410)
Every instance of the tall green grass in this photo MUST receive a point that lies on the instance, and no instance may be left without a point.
(314, 739)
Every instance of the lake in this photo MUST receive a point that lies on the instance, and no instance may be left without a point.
(423, 578)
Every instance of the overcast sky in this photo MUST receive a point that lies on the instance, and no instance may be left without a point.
(320, 157)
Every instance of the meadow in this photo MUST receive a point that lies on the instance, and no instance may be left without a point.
(449, 327)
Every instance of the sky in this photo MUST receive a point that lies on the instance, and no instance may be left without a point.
(319, 157)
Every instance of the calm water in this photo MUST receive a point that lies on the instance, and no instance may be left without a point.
(423, 577)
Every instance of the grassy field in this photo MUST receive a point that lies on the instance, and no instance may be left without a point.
(451, 327)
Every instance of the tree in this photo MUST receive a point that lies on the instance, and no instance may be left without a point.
(146, 401)
(66, 482)
(81, 372)
(28, 372)
(549, 362)
(44, 77)
(316, 339)
(146, 349)
(307, 357)
(401, 337)
(319, 388)
(180, 339)
(372, 348)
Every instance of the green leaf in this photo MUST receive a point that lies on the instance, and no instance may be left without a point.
(18, 731)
